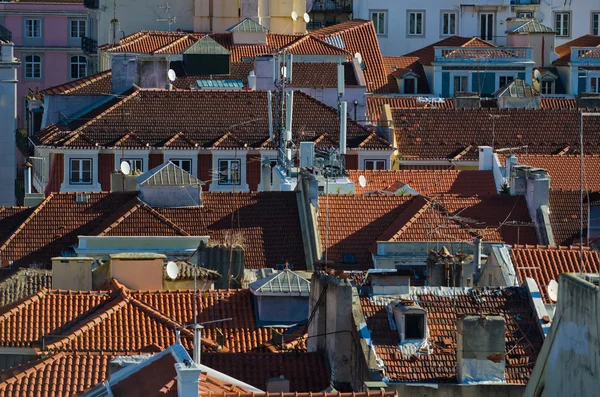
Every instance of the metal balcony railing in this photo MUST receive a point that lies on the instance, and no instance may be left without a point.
(585, 55)
(332, 6)
(483, 54)
(5, 34)
(524, 2)
(89, 46)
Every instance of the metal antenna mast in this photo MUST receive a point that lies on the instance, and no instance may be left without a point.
(170, 20)
(114, 23)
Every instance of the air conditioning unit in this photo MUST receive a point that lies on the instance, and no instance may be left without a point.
(592, 278)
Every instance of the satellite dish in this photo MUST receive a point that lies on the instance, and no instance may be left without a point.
(171, 74)
(553, 290)
(125, 168)
(172, 270)
(539, 16)
(359, 57)
(294, 15)
(537, 75)
(306, 18)
(362, 181)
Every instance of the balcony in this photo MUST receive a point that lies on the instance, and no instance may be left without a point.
(585, 56)
(89, 46)
(524, 2)
(93, 4)
(332, 6)
(5, 34)
(487, 3)
(499, 55)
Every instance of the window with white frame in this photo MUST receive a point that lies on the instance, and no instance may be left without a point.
(596, 23)
(547, 87)
(460, 84)
(486, 26)
(416, 23)
(229, 172)
(410, 85)
(448, 23)
(134, 164)
(562, 24)
(379, 19)
(78, 67)
(184, 164)
(504, 80)
(594, 84)
(80, 172)
(524, 14)
(375, 165)
(33, 28)
(33, 67)
(77, 28)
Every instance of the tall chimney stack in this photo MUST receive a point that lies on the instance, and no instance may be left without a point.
(343, 120)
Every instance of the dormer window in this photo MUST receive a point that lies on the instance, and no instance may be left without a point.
(547, 87)
(348, 258)
(414, 326)
(411, 322)
(410, 85)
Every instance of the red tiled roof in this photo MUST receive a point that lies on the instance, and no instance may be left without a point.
(123, 320)
(11, 218)
(262, 218)
(95, 84)
(564, 170)
(564, 51)
(467, 183)
(356, 36)
(564, 216)
(546, 263)
(523, 338)
(558, 103)
(382, 216)
(21, 283)
(375, 104)
(453, 134)
(307, 372)
(59, 375)
(396, 67)
(426, 55)
(156, 116)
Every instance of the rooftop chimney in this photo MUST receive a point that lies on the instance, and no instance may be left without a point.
(481, 348)
(252, 80)
(467, 100)
(343, 121)
(486, 158)
(197, 343)
(589, 100)
(188, 379)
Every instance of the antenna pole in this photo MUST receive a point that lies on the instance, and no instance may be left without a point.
(195, 293)
(581, 194)
(170, 20)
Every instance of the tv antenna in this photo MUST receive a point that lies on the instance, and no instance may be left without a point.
(172, 270)
(170, 20)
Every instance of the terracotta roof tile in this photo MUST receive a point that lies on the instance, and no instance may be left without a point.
(262, 218)
(564, 216)
(564, 170)
(523, 338)
(156, 115)
(11, 218)
(467, 183)
(564, 51)
(546, 263)
(22, 283)
(444, 133)
(312, 45)
(558, 103)
(496, 216)
(95, 84)
(426, 54)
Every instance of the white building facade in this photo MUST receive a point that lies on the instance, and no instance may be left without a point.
(8, 123)
(406, 26)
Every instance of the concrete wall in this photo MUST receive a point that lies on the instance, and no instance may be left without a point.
(72, 273)
(138, 272)
(453, 390)
(56, 106)
(569, 362)
(8, 125)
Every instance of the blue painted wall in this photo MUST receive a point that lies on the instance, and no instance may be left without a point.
(445, 84)
(487, 80)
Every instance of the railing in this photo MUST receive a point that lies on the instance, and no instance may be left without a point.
(483, 54)
(332, 5)
(93, 4)
(524, 2)
(89, 46)
(5, 34)
(585, 55)
(491, 3)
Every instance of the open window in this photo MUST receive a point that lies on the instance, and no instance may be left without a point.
(414, 326)
(411, 322)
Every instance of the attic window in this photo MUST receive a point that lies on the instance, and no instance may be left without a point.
(348, 258)
(414, 326)
(82, 198)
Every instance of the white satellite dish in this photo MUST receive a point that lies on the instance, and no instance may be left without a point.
(362, 181)
(294, 15)
(172, 75)
(125, 168)
(358, 56)
(306, 18)
(553, 290)
(172, 270)
(537, 75)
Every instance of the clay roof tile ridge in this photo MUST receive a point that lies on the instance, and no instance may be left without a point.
(29, 218)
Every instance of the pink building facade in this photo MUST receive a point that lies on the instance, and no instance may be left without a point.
(47, 38)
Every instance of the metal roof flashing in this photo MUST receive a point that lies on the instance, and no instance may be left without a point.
(284, 283)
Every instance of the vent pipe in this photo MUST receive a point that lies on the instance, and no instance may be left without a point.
(197, 343)
(289, 109)
(343, 120)
(340, 80)
(270, 104)
(252, 80)
(28, 177)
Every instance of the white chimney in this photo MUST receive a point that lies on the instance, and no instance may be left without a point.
(197, 343)
(188, 379)
(270, 104)
(307, 154)
(28, 178)
(511, 160)
(340, 80)
(289, 109)
(343, 120)
(486, 154)
(252, 80)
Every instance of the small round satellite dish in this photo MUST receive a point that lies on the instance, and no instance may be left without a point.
(125, 168)
(294, 15)
(553, 290)
(172, 75)
(306, 18)
(362, 181)
(537, 75)
(172, 270)
(358, 56)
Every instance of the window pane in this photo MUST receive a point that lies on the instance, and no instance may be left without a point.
(452, 28)
(381, 23)
(381, 165)
(369, 165)
(411, 26)
(419, 23)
